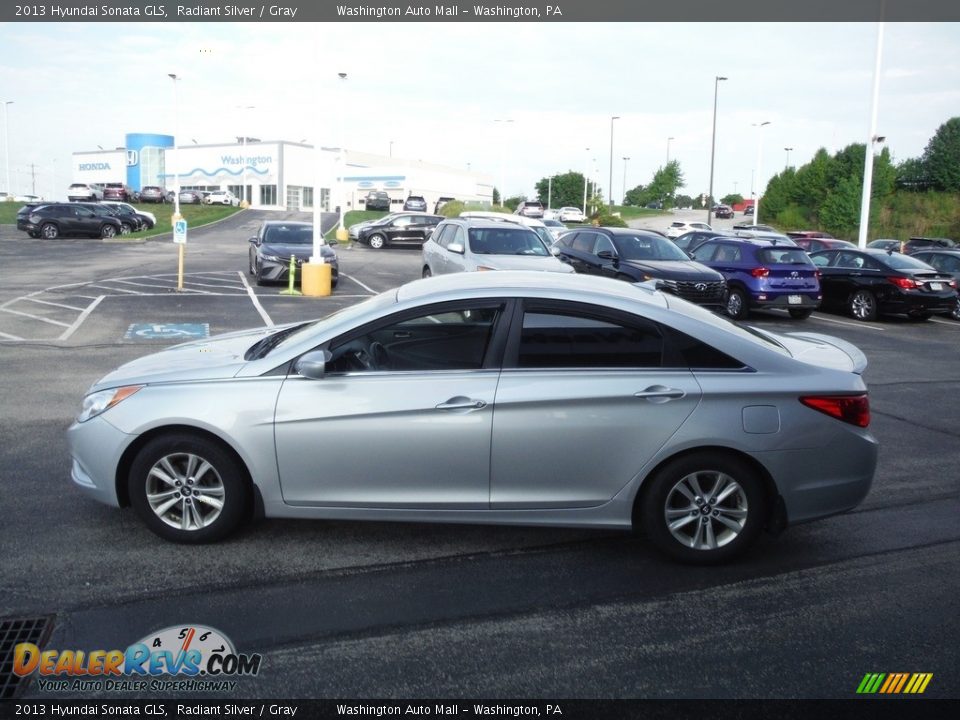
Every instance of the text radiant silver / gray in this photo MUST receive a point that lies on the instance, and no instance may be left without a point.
(499, 397)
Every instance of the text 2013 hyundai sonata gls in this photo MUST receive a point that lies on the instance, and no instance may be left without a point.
(502, 397)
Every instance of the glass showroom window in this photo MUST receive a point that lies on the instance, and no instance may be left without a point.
(268, 194)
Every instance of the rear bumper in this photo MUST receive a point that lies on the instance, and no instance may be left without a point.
(919, 302)
(781, 300)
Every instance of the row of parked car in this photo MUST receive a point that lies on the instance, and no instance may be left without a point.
(96, 192)
(104, 219)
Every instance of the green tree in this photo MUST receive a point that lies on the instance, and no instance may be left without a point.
(566, 190)
(496, 196)
(666, 181)
(683, 201)
(840, 213)
(732, 199)
(514, 201)
(634, 196)
(912, 175)
(942, 157)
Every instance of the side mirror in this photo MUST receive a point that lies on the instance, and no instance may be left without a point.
(253, 240)
(455, 248)
(313, 365)
(606, 255)
(555, 251)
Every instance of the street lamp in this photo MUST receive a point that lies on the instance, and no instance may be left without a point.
(391, 148)
(6, 141)
(610, 179)
(175, 158)
(342, 234)
(788, 158)
(625, 161)
(668, 149)
(502, 142)
(756, 204)
(586, 172)
(713, 141)
(243, 159)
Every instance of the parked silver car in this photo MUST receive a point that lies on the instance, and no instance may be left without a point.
(467, 244)
(502, 397)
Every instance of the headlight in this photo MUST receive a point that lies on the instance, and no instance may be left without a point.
(272, 258)
(99, 402)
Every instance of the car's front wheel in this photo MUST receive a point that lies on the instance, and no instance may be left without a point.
(955, 313)
(863, 305)
(377, 241)
(126, 228)
(187, 489)
(108, 231)
(703, 508)
(736, 306)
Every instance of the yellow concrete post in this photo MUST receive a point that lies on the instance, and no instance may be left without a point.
(315, 279)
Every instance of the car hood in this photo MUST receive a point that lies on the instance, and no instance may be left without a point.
(523, 262)
(679, 270)
(299, 250)
(824, 351)
(213, 358)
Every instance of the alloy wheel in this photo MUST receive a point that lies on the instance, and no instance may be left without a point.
(185, 491)
(706, 510)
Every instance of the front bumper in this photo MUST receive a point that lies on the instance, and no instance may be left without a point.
(274, 271)
(95, 450)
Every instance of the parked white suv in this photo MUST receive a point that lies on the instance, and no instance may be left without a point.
(85, 192)
(679, 228)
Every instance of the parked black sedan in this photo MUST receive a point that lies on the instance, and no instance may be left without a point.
(276, 241)
(406, 228)
(639, 256)
(869, 282)
(945, 261)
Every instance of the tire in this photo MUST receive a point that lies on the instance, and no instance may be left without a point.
(252, 270)
(126, 228)
(34, 234)
(799, 313)
(691, 526)
(49, 231)
(108, 231)
(200, 466)
(377, 241)
(736, 305)
(955, 313)
(426, 272)
(919, 315)
(863, 306)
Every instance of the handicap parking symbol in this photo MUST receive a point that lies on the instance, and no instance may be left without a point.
(167, 331)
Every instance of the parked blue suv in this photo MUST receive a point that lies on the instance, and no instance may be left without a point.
(763, 274)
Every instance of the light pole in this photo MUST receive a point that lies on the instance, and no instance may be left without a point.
(788, 158)
(176, 140)
(503, 191)
(586, 171)
(243, 160)
(668, 149)
(610, 179)
(342, 234)
(874, 139)
(756, 204)
(713, 141)
(625, 161)
(391, 148)
(6, 141)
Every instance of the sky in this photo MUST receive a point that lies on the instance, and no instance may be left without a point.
(436, 90)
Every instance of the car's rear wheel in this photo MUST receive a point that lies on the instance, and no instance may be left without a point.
(108, 231)
(703, 508)
(955, 313)
(426, 272)
(863, 305)
(736, 306)
(49, 231)
(187, 489)
(377, 241)
(799, 313)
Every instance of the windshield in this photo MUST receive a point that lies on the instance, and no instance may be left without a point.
(783, 256)
(647, 247)
(506, 241)
(289, 235)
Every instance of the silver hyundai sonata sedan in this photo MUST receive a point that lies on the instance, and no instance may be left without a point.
(501, 397)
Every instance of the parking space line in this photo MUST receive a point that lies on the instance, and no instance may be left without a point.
(34, 317)
(47, 302)
(865, 326)
(365, 287)
(129, 292)
(10, 337)
(209, 285)
(938, 321)
(256, 302)
(143, 284)
(83, 316)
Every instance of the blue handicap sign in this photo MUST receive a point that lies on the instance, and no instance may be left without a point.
(180, 232)
(180, 332)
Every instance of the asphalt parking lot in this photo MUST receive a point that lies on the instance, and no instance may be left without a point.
(368, 610)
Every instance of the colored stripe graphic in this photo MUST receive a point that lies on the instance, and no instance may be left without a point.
(894, 683)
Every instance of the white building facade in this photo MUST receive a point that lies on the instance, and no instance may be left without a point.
(278, 175)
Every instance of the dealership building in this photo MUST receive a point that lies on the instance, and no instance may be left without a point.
(277, 175)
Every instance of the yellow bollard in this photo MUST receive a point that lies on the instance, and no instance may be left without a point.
(315, 279)
(291, 278)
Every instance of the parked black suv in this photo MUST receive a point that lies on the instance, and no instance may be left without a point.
(52, 221)
(923, 243)
(639, 256)
(377, 200)
(407, 228)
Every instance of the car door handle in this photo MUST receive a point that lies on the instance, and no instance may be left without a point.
(461, 403)
(659, 393)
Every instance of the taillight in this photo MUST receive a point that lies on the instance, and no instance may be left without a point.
(903, 283)
(760, 272)
(853, 409)
(952, 283)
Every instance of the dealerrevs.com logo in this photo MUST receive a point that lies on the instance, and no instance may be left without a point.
(188, 657)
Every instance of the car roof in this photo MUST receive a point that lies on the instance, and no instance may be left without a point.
(503, 282)
(502, 217)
